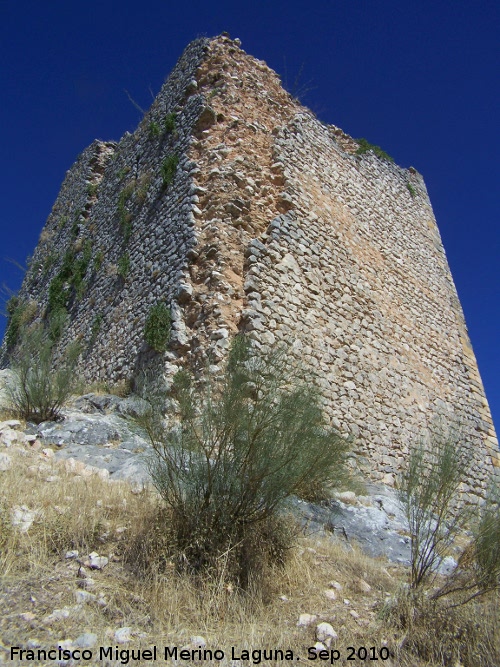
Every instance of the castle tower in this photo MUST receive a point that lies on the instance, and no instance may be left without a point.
(239, 210)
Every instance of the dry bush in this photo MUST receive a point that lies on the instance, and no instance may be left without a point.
(468, 635)
(243, 446)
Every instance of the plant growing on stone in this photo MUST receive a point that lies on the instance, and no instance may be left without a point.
(365, 146)
(154, 129)
(168, 169)
(158, 327)
(124, 265)
(243, 445)
(169, 123)
(41, 385)
(20, 314)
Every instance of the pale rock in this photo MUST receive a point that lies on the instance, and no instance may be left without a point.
(82, 597)
(354, 614)
(5, 462)
(97, 562)
(59, 614)
(22, 517)
(363, 586)
(347, 602)
(348, 497)
(48, 453)
(66, 644)
(87, 640)
(71, 554)
(336, 585)
(330, 594)
(123, 635)
(198, 641)
(318, 647)
(10, 424)
(306, 619)
(325, 633)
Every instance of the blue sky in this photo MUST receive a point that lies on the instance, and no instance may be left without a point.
(420, 79)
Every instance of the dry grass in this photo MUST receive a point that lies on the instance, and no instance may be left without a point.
(84, 512)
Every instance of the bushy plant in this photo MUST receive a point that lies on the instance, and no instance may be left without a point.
(437, 513)
(365, 146)
(168, 169)
(41, 387)
(169, 123)
(20, 314)
(158, 327)
(242, 447)
(124, 265)
(429, 494)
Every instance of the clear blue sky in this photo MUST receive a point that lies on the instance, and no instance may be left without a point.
(418, 78)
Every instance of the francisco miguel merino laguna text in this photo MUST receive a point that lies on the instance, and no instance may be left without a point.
(125, 656)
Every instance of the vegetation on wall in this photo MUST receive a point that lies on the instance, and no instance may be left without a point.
(169, 123)
(158, 327)
(124, 265)
(168, 169)
(20, 314)
(365, 146)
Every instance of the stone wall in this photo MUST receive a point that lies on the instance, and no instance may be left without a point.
(273, 225)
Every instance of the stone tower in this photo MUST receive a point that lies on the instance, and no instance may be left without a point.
(236, 208)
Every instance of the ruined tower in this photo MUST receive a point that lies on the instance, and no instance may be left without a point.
(235, 208)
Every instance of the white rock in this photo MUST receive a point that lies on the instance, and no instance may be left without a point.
(336, 585)
(363, 586)
(123, 635)
(354, 614)
(87, 640)
(348, 497)
(82, 597)
(347, 602)
(97, 562)
(5, 462)
(330, 594)
(325, 633)
(48, 453)
(66, 644)
(22, 517)
(198, 641)
(306, 619)
(72, 554)
(318, 646)
(10, 424)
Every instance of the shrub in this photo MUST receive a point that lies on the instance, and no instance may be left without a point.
(437, 513)
(429, 495)
(365, 146)
(20, 314)
(124, 265)
(154, 129)
(158, 326)
(243, 446)
(168, 169)
(40, 388)
(169, 123)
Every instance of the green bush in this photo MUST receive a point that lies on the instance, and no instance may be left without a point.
(243, 446)
(429, 495)
(154, 129)
(169, 123)
(168, 169)
(40, 388)
(124, 265)
(158, 326)
(365, 146)
(20, 314)
(437, 513)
